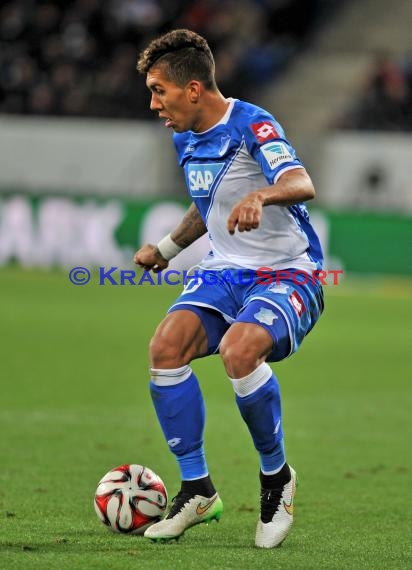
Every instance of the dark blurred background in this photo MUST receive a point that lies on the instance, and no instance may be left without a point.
(77, 57)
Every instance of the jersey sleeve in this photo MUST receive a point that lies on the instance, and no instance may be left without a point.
(266, 143)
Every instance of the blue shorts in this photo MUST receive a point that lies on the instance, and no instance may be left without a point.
(286, 308)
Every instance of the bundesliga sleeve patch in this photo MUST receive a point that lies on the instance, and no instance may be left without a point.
(275, 154)
(265, 131)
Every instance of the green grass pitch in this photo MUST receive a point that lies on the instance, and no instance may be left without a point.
(74, 403)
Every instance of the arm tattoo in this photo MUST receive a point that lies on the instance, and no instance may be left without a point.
(190, 228)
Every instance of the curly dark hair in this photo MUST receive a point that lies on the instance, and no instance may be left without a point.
(183, 55)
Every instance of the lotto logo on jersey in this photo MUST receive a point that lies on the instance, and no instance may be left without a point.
(297, 303)
(201, 178)
(264, 131)
(275, 154)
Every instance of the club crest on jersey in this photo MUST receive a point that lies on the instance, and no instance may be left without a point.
(224, 144)
(265, 131)
(276, 153)
(202, 177)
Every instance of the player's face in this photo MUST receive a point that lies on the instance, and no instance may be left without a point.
(170, 101)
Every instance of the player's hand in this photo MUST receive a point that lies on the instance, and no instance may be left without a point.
(246, 214)
(148, 257)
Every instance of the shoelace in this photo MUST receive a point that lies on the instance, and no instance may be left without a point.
(178, 503)
(269, 503)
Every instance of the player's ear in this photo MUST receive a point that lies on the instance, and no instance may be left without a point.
(193, 89)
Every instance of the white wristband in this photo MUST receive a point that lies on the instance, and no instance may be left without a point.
(168, 248)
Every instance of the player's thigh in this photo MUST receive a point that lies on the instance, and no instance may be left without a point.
(287, 310)
(178, 339)
(273, 321)
(244, 347)
(213, 322)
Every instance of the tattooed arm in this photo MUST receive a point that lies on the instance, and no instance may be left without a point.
(189, 230)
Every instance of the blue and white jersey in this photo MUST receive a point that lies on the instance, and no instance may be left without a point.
(245, 151)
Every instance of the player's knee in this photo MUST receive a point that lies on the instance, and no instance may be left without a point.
(165, 352)
(239, 358)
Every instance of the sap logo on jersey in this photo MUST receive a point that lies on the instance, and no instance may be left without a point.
(202, 177)
(275, 154)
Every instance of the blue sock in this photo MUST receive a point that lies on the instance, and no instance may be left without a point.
(261, 410)
(181, 413)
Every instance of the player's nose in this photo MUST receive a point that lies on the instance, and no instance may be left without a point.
(155, 104)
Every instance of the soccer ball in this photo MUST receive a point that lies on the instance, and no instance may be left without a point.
(130, 498)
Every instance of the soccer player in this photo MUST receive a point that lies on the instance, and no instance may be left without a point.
(247, 188)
